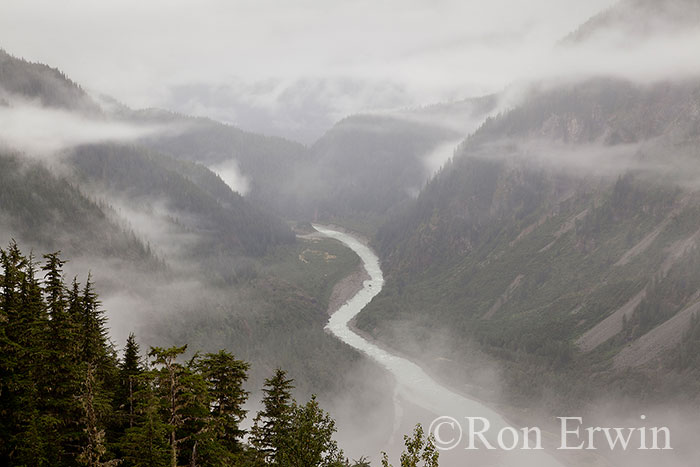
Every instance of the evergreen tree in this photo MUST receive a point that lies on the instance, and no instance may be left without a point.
(59, 376)
(182, 396)
(222, 437)
(196, 404)
(129, 371)
(309, 442)
(21, 312)
(146, 443)
(418, 449)
(14, 332)
(75, 315)
(92, 325)
(272, 423)
(54, 287)
(94, 448)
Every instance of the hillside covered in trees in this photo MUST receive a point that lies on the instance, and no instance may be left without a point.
(562, 240)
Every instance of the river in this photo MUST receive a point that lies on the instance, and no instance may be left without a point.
(415, 387)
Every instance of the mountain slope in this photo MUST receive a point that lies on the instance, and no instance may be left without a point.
(47, 211)
(138, 175)
(367, 165)
(550, 218)
(639, 19)
(361, 168)
(36, 81)
(265, 162)
(207, 206)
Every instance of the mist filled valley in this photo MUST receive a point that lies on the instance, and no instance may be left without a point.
(350, 234)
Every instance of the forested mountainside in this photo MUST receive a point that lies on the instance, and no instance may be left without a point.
(367, 165)
(267, 163)
(362, 168)
(358, 171)
(47, 210)
(40, 82)
(561, 238)
(141, 176)
(192, 196)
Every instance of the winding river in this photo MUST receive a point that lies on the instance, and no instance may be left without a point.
(413, 384)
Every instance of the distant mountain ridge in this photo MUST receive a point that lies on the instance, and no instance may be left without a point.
(48, 85)
(360, 168)
(639, 19)
(134, 170)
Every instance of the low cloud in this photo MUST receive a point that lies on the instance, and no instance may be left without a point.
(231, 174)
(297, 109)
(264, 56)
(39, 131)
(293, 82)
(438, 156)
(660, 56)
(153, 223)
(651, 158)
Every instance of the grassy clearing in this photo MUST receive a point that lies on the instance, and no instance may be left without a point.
(314, 265)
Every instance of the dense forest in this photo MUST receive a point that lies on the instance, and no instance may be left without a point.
(68, 398)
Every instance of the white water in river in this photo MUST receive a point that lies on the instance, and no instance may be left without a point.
(412, 383)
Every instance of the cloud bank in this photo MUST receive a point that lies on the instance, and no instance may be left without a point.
(40, 131)
(264, 57)
(294, 68)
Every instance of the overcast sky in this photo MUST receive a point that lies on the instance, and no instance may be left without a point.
(302, 62)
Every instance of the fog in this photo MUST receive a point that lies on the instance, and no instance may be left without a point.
(655, 159)
(263, 66)
(438, 156)
(41, 132)
(273, 67)
(657, 57)
(294, 69)
(232, 176)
